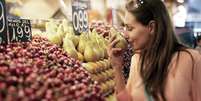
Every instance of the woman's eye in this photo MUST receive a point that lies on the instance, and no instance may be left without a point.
(129, 28)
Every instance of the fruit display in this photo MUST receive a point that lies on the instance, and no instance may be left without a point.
(101, 28)
(92, 47)
(122, 41)
(111, 98)
(89, 48)
(127, 60)
(102, 72)
(107, 31)
(104, 30)
(40, 70)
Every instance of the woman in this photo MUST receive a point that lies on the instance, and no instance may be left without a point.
(161, 68)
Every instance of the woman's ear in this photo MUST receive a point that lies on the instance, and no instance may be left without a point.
(152, 27)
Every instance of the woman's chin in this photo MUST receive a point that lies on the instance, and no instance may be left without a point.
(137, 49)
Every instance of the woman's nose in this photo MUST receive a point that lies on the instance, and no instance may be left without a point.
(125, 34)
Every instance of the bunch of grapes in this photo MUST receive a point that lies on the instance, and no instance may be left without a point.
(127, 60)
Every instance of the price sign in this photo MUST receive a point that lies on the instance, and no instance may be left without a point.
(80, 15)
(19, 30)
(3, 23)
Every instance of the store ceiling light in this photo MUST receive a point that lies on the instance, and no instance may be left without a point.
(180, 1)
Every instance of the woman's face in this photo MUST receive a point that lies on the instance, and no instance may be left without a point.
(138, 35)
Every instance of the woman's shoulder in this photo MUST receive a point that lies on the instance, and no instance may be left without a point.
(185, 67)
(194, 53)
(187, 55)
(185, 61)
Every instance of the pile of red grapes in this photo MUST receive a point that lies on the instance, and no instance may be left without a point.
(101, 28)
(127, 60)
(41, 71)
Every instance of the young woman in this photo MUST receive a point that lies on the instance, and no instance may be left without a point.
(161, 68)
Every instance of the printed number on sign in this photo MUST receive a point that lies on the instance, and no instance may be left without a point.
(80, 20)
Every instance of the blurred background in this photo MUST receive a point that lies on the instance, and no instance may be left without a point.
(185, 14)
(52, 31)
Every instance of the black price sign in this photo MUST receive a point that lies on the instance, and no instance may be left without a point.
(19, 30)
(80, 15)
(3, 23)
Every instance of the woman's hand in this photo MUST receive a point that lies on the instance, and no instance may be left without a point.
(116, 60)
(115, 54)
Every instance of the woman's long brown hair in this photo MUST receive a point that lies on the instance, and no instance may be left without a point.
(158, 54)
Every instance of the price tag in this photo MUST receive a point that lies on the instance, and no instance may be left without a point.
(19, 30)
(80, 16)
(3, 23)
